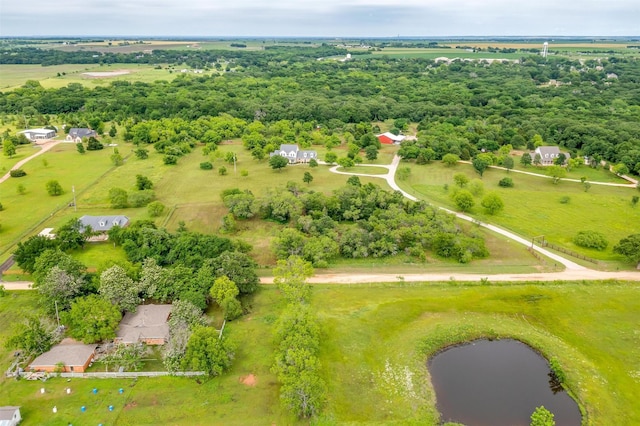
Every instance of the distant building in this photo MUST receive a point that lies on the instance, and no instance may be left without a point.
(549, 154)
(147, 325)
(72, 357)
(389, 138)
(295, 155)
(10, 416)
(77, 134)
(38, 134)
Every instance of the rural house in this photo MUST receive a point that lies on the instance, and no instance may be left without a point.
(77, 134)
(549, 154)
(74, 357)
(294, 154)
(10, 416)
(389, 138)
(102, 224)
(147, 325)
(38, 134)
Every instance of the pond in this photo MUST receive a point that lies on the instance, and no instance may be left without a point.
(495, 383)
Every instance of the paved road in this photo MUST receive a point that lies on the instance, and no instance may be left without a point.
(43, 148)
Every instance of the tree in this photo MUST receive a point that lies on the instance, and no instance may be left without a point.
(92, 319)
(542, 417)
(307, 178)
(506, 182)
(143, 182)
(290, 277)
(557, 173)
(113, 131)
(33, 335)
(492, 203)
(141, 153)
(461, 179)
(480, 163)
(464, 200)
(21, 189)
(26, 253)
(330, 158)
(80, 148)
(208, 352)
(313, 163)
(239, 268)
(61, 287)
(54, 188)
(116, 287)
(620, 169)
(94, 144)
(450, 160)
(155, 209)
(507, 162)
(629, 247)
(129, 357)
(560, 159)
(8, 148)
(119, 198)
(371, 153)
(224, 292)
(72, 235)
(345, 162)
(116, 158)
(525, 160)
(54, 257)
(278, 162)
(304, 394)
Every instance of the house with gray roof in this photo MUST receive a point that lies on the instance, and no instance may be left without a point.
(148, 324)
(294, 154)
(10, 416)
(71, 357)
(548, 155)
(76, 134)
(38, 134)
(102, 224)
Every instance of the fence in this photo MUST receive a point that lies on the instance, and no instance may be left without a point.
(569, 252)
(126, 374)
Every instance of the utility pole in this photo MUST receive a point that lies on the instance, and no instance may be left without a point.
(73, 189)
(57, 316)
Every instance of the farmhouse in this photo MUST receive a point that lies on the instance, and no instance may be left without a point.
(389, 138)
(294, 154)
(10, 416)
(102, 224)
(73, 357)
(77, 134)
(548, 154)
(38, 134)
(147, 325)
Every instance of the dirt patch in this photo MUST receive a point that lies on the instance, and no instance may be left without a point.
(106, 74)
(129, 406)
(249, 380)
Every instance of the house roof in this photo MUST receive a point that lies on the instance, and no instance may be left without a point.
(70, 354)
(395, 138)
(548, 150)
(81, 132)
(288, 147)
(6, 413)
(41, 131)
(148, 322)
(103, 223)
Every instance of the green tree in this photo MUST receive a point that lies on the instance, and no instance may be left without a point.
(556, 173)
(239, 268)
(119, 289)
(330, 157)
(33, 335)
(461, 179)
(542, 417)
(208, 352)
(129, 357)
(526, 160)
(143, 182)
(8, 148)
(92, 319)
(26, 253)
(21, 189)
(290, 277)
(345, 162)
(141, 153)
(93, 144)
(313, 163)
(480, 163)
(450, 160)
(224, 293)
(620, 169)
(492, 203)
(80, 148)
(371, 153)
(113, 131)
(61, 287)
(72, 235)
(119, 198)
(155, 208)
(54, 257)
(307, 178)
(591, 239)
(278, 162)
(464, 200)
(629, 247)
(54, 188)
(116, 158)
(507, 162)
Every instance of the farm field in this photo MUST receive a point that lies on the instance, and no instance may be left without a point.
(536, 207)
(588, 328)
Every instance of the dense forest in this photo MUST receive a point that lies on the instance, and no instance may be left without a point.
(590, 107)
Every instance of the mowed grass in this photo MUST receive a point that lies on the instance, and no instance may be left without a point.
(16, 75)
(24, 214)
(534, 208)
(590, 329)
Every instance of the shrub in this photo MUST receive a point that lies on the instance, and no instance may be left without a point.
(1, 207)
(155, 209)
(244, 173)
(17, 173)
(206, 165)
(222, 171)
(591, 239)
(170, 159)
(118, 198)
(565, 199)
(506, 182)
(141, 198)
(54, 188)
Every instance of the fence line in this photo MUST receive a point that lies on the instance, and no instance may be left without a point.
(125, 374)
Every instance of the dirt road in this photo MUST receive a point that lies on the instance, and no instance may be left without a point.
(43, 148)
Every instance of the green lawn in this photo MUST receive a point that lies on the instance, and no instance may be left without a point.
(533, 206)
(589, 328)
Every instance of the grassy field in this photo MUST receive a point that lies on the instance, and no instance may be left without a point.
(589, 328)
(535, 206)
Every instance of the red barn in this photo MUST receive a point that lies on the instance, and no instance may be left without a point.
(388, 138)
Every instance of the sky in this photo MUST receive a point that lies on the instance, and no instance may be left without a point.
(320, 18)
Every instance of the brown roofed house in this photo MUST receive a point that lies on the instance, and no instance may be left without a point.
(73, 356)
(147, 325)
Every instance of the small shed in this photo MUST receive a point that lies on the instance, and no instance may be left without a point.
(10, 416)
(74, 357)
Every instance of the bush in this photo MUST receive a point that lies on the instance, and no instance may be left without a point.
(506, 182)
(222, 171)
(17, 173)
(565, 199)
(206, 165)
(170, 159)
(119, 198)
(591, 239)
(54, 188)
(155, 209)
(141, 198)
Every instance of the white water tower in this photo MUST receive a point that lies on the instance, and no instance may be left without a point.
(545, 48)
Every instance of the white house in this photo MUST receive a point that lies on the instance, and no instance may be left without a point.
(295, 154)
(38, 134)
(76, 134)
(548, 155)
(10, 416)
